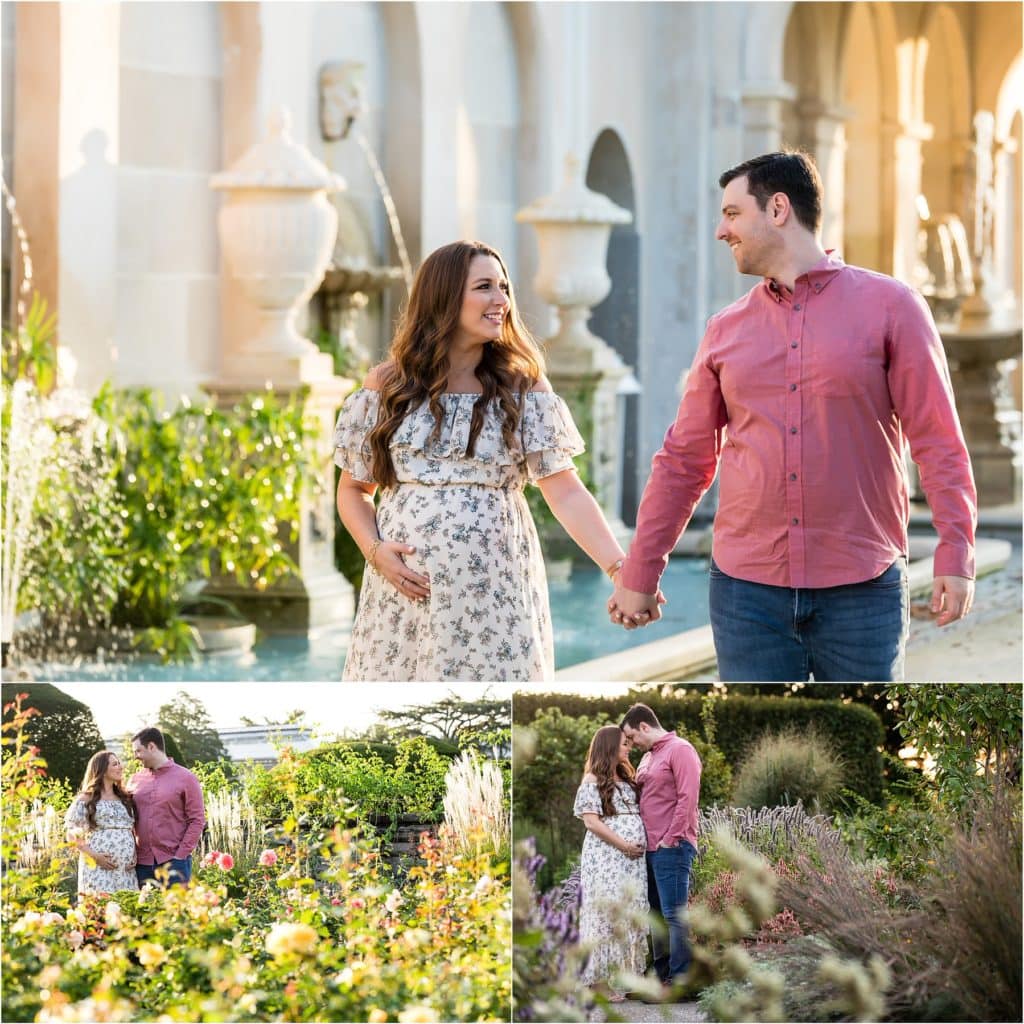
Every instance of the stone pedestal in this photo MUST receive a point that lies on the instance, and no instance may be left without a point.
(573, 227)
(319, 595)
(277, 230)
(980, 354)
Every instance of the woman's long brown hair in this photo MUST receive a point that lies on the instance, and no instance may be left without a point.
(417, 366)
(92, 787)
(603, 762)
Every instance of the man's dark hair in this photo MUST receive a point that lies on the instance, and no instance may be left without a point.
(791, 171)
(637, 715)
(151, 734)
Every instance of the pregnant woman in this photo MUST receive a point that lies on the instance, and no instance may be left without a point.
(451, 428)
(613, 870)
(101, 823)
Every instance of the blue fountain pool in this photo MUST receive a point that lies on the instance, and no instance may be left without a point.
(582, 632)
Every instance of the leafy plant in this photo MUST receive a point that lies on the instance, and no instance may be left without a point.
(31, 352)
(972, 730)
(204, 491)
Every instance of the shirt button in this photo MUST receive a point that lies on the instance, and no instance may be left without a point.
(792, 344)
(792, 476)
(795, 520)
(792, 430)
(797, 307)
(792, 387)
(817, 287)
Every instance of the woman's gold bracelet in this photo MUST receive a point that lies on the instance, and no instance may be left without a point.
(371, 558)
(614, 568)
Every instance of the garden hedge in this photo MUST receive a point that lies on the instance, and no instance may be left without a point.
(855, 731)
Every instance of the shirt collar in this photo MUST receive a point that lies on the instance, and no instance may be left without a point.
(817, 277)
(662, 741)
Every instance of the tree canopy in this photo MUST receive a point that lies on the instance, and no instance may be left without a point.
(65, 730)
(186, 719)
(449, 717)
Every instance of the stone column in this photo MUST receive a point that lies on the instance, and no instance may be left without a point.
(825, 132)
(764, 105)
(277, 230)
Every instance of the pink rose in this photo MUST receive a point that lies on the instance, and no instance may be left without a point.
(268, 858)
(358, 903)
(75, 938)
(211, 858)
(225, 861)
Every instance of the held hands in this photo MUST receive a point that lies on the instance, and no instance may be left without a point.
(632, 609)
(386, 558)
(952, 597)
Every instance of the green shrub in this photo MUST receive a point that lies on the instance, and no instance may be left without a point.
(413, 783)
(786, 768)
(204, 491)
(907, 832)
(854, 730)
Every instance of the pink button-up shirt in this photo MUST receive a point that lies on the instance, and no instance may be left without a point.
(669, 779)
(807, 399)
(171, 814)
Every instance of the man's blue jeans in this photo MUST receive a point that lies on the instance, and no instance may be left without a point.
(668, 885)
(782, 634)
(171, 872)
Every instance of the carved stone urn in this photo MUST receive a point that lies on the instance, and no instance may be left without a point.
(573, 227)
(277, 230)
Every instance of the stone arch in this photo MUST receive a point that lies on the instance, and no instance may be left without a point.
(814, 119)
(869, 97)
(764, 40)
(617, 318)
(942, 87)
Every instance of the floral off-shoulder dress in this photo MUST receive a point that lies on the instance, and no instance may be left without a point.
(113, 835)
(613, 890)
(487, 617)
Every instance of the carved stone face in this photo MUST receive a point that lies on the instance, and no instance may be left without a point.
(342, 98)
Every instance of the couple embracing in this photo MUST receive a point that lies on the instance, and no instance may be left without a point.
(640, 843)
(127, 834)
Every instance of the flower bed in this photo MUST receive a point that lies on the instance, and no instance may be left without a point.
(316, 927)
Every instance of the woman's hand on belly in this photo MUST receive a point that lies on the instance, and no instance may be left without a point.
(391, 565)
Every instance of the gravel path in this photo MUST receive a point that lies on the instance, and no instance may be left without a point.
(634, 1010)
(984, 647)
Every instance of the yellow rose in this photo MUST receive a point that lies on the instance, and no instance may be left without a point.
(418, 1015)
(377, 1016)
(151, 954)
(291, 938)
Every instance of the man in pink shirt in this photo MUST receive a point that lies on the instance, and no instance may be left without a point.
(171, 814)
(805, 393)
(669, 779)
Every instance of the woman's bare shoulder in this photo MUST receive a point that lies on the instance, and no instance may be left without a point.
(590, 777)
(543, 386)
(378, 376)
